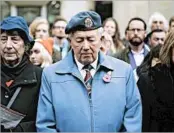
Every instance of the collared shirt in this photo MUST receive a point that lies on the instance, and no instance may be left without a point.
(138, 56)
(82, 71)
(63, 48)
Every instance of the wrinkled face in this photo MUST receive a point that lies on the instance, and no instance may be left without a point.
(42, 31)
(86, 45)
(157, 24)
(36, 55)
(11, 47)
(136, 32)
(59, 29)
(172, 26)
(110, 27)
(157, 38)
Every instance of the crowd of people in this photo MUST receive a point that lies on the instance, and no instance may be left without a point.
(81, 76)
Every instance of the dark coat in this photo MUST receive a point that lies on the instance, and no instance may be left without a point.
(157, 92)
(26, 101)
(125, 55)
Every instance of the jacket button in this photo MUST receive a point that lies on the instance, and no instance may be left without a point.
(6, 95)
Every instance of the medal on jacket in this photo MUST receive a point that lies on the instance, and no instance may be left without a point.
(107, 77)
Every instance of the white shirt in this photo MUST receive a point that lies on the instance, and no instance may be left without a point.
(138, 56)
(82, 71)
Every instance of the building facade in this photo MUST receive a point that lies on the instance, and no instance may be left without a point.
(122, 11)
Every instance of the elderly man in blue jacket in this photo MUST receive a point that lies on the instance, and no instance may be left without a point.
(88, 91)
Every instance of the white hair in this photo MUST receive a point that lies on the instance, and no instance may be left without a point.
(158, 16)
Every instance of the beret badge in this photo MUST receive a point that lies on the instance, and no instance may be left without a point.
(88, 23)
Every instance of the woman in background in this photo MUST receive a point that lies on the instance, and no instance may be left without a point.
(157, 91)
(41, 53)
(39, 28)
(110, 25)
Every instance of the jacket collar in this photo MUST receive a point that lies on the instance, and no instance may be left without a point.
(68, 65)
(28, 76)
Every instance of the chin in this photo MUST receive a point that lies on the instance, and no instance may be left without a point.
(10, 59)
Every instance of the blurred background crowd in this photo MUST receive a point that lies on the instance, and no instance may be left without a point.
(140, 33)
(122, 11)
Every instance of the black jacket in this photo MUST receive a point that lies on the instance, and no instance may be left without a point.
(26, 102)
(157, 92)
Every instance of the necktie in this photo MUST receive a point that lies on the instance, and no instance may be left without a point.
(88, 77)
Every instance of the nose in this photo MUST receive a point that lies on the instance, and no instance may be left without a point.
(86, 45)
(160, 42)
(9, 44)
(158, 25)
(136, 32)
(32, 56)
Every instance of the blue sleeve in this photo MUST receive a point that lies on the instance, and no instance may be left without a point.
(45, 121)
(133, 113)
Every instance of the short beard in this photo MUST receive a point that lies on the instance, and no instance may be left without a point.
(60, 37)
(135, 43)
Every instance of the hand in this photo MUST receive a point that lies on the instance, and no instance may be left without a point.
(106, 42)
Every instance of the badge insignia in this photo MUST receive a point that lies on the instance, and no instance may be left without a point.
(107, 77)
(88, 22)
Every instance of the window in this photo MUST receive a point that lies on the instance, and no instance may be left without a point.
(29, 13)
(5, 9)
(53, 8)
(104, 8)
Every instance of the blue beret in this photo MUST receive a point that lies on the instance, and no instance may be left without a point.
(83, 21)
(16, 22)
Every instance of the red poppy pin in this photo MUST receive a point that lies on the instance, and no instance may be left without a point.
(107, 77)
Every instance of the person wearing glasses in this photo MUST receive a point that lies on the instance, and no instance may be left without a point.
(137, 49)
(61, 45)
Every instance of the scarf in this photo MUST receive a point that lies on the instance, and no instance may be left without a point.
(11, 73)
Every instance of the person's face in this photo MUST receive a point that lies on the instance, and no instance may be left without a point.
(110, 27)
(35, 54)
(59, 29)
(42, 31)
(136, 33)
(86, 45)
(157, 24)
(106, 42)
(11, 47)
(157, 38)
(172, 26)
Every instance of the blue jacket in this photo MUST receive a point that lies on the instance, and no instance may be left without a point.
(64, 104)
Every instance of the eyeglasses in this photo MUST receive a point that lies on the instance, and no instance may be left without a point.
(136, 29)
(58, 27)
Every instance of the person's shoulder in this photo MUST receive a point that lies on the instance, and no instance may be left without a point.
(121, 68)
(121, 53)
(117, 62)
(37, 69)
(52, 67)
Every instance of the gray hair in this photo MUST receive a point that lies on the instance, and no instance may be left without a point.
(158, 16)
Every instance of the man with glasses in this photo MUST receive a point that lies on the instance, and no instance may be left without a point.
(61, 45)
(137, 50)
